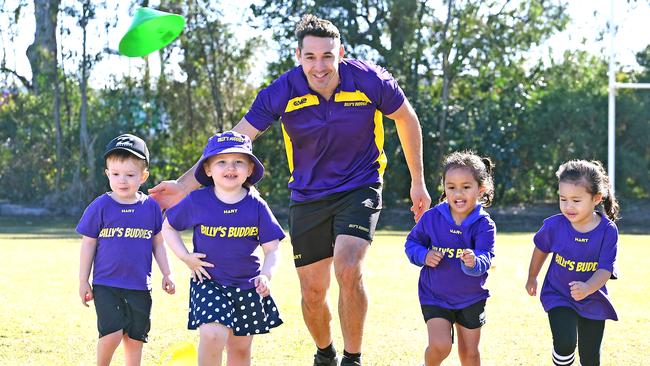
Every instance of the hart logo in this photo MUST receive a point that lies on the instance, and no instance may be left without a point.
(582, 240)
(455, 231)
(299, 102)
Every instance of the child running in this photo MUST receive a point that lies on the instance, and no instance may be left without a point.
(230, 291)
(583, 241)
(120, 231)
(454, 244)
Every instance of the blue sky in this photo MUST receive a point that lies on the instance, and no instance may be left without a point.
(589, 20)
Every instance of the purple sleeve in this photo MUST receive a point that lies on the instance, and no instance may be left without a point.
(392, 96)
(269, 228)
(90, 223)
(418, 243)
(607, 257)
(181, 217)
(157, 222)
(542, 238)
(263, 111)
(483, 250)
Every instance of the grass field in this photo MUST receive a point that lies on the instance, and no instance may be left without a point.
(43, 322)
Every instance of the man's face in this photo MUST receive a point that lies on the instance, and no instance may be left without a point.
(319, 58)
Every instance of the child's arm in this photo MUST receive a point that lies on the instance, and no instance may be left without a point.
(88, 247)
(417, 246)
(580, 290)
(160, 253)
(271, 255)
(536, 263)
(192, 260)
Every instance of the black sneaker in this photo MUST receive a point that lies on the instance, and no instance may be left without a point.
(348, 362)
(325, 361)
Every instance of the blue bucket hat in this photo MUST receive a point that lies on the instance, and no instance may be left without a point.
(225, 143)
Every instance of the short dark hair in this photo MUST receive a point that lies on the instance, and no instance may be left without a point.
(121, 155)
(311, 25)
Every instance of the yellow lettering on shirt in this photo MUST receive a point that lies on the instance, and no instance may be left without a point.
(455, 231)
(242, 231)
(448, 252)
(576, 266)
(582, 240)
(128, 232)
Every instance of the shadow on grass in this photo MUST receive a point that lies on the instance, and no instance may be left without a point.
(41, 227)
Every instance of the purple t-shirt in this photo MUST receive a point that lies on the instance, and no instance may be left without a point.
(228, 234)
(576, 256)
(451, 284)
(332, 145)
(124, 234)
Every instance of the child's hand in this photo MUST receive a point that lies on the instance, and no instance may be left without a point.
(85, 292)
(469, 258)
(531, 286)
(168, 284)
(196, 265)
(579, 290)
(433, 258)
(262, 285)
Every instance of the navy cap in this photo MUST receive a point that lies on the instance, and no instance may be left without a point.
(130, 143)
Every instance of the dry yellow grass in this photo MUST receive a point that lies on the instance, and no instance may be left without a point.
(43, 322)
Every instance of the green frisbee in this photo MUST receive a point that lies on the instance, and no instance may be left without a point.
(150, 31)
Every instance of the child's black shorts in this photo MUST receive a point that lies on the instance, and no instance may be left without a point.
(119, 308)
(314, 225)
(471, 317)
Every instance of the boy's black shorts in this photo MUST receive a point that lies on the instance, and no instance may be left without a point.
(119, 308)
(471, 317)
(314, 225)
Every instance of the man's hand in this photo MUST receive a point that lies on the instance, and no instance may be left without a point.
(421, 200)
(168, 193)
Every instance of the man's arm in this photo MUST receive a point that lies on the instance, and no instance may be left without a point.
(169, 192)
(246, 128)
(410, 136)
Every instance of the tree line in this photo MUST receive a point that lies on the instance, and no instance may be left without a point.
(464, 65)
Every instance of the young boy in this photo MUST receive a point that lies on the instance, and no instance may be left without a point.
(121, 230)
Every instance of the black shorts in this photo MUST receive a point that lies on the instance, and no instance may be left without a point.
(471, 317)
(119, 308)
(314, 225)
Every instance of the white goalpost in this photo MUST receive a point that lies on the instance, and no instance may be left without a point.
(613, 85)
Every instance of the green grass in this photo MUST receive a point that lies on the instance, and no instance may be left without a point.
(43, 322)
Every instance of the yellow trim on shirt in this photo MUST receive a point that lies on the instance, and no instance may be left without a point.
(355, 96)
(288, 147)
(379, 141)
(301, 102)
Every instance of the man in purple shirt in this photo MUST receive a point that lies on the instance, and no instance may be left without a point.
(331, 110)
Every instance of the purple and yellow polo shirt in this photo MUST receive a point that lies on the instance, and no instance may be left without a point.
(332, 145)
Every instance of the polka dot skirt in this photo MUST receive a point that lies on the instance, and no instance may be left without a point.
(243, 311)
